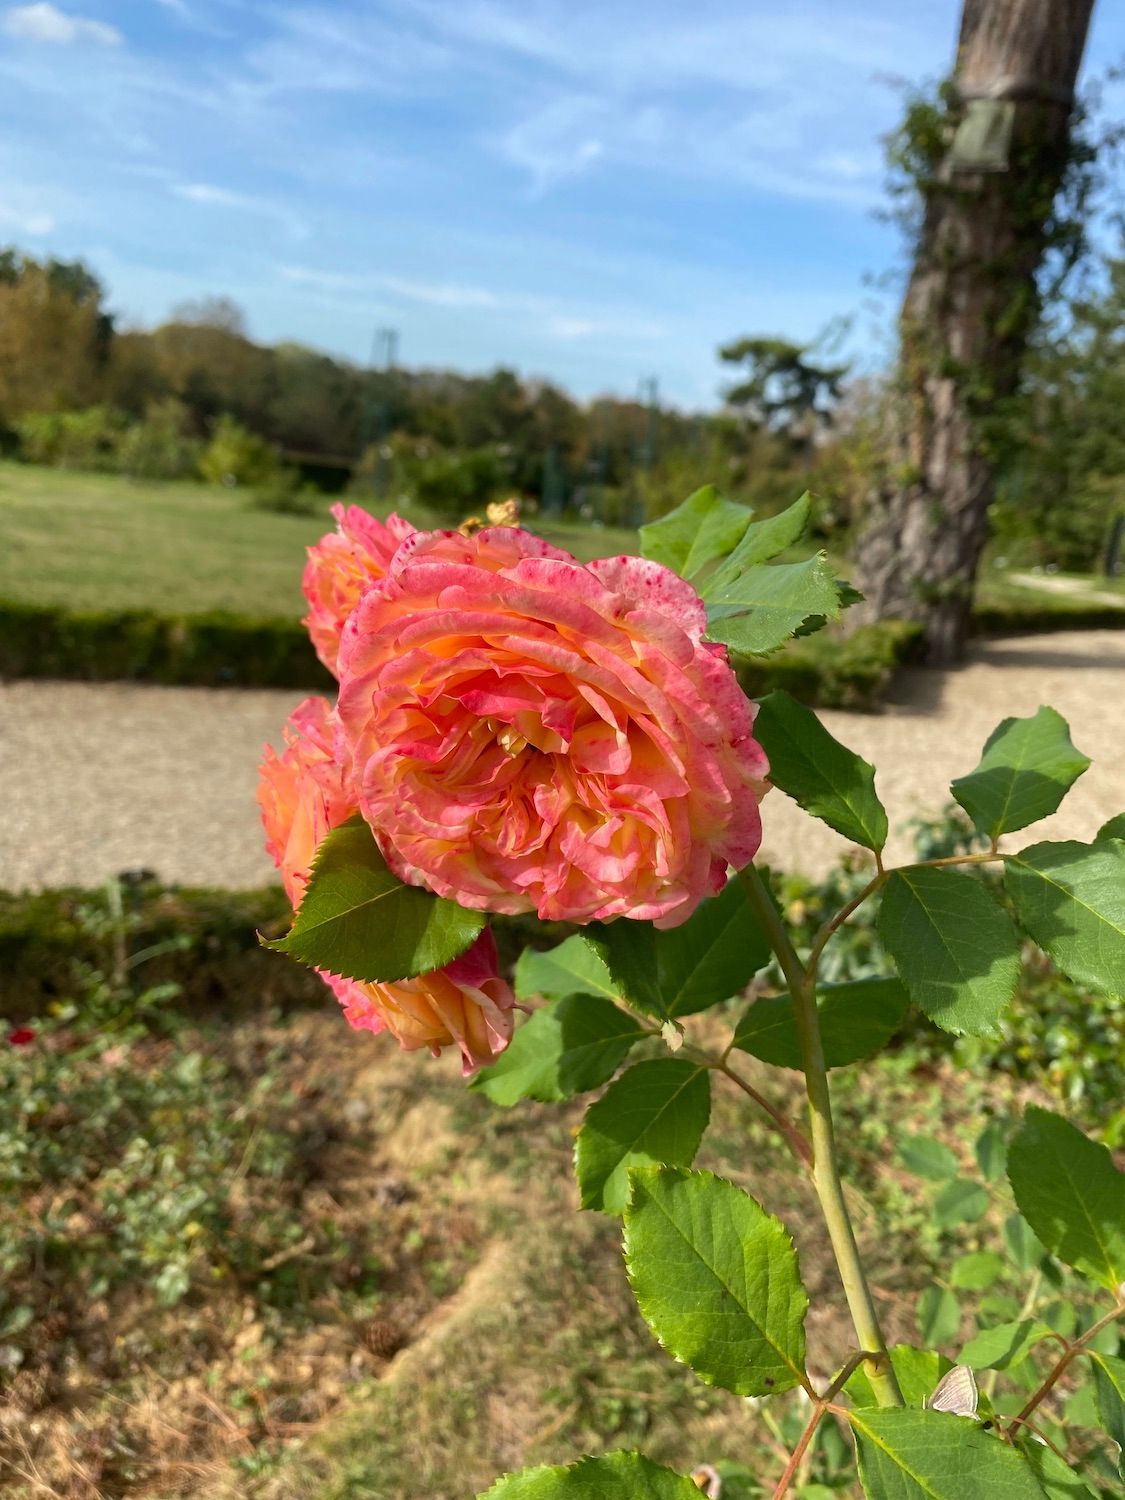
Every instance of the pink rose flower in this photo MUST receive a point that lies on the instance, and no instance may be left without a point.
(340, 567)
(305, 792)
(530, 734)
(466, 1004)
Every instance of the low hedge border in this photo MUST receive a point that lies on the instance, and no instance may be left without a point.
(205, 941)
(208, 650)
(225, 650)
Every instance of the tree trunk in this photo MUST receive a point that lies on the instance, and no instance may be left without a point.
(969, 307)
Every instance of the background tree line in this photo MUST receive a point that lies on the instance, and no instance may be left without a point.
(198, 397)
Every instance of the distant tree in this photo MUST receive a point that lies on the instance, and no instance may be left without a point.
(54, 335)
(988, 162)
(781, 388)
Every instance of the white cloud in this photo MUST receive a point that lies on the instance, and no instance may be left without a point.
(212, 196)
(25, 223)
(44, 22)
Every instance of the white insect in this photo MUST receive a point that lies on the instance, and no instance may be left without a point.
(955, 1392)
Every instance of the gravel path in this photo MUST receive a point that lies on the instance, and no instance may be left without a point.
(101, 777)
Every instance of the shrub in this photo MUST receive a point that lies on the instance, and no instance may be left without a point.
(160, 446)
(235, 455)
(86, 439)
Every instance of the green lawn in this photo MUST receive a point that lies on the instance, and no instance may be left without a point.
(97, 541)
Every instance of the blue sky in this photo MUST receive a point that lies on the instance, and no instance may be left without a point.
(588, 190)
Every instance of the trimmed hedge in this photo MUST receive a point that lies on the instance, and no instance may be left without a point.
(226, 650)
(213, 949)
(209, 650)
(1018, 619)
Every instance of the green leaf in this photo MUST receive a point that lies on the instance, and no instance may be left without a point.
(1072, 1195)
(716, 1279)
(820, 774)
(615, 1476)
(926, 1157)
(655, 1112)
(1026, 769)
(939, 1315)
(977, 1271)
(703, 528)
(857, 1019)
(960, 1202)
(1109, 1389)
(1022, 1243)
(708, 958)
(957, 951)
(764, 540)
(760, 610)
(1071, 899)
(573, 968)
(991, 1150)
(1113, 829)
(933, 1455)
(566, 1048)
(358, 920)
(918, 1372)
(1057, 1479)
(1006, 1344)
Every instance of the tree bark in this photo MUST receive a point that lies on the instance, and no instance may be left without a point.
(969, 307)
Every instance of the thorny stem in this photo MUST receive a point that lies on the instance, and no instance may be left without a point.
(835, 922)
(796, 1141)
(825, 1168)
(1072, 1351)
(820, 1406)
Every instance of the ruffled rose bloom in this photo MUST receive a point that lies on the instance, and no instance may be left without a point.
(340, 566)
(302, 794)
(466, 1003)
(530, 734)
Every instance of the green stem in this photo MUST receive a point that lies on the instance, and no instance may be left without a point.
(825, 1168)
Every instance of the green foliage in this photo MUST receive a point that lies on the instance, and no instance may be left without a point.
(676, 972)
(857, 1020)
(358, 920)
(1005, 1344)
(161, 445)
(819, 773)
(1109, 1388)
(237, 456)
(939, 1315)
(758, 612)
(1070, 898)
(705, 527)
(87, 439)
(617, 1476)
(933, 1455)
(1071, 1194)
(717, 1280)
(956, 950)
(764, 540)
(656, 1111)
(573, 968)
(1026, 769)
(573, 1045)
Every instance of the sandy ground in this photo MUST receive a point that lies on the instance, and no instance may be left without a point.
(100, 778)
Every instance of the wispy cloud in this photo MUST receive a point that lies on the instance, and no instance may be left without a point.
(44, 22)
(556, 316)
(210, 195)
(21, 222)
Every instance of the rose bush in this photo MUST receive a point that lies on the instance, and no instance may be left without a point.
(516, 732)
